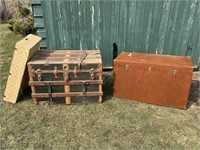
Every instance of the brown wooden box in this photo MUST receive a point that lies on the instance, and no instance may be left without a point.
(157, 79)
(64, 76)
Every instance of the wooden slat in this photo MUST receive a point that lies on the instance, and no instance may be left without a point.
(100, 85)
(70, 71)
(78, 82)
(67, 61)
(67, 91)
(25, 49)
(43, 57)
(46, 95)
(69, 51)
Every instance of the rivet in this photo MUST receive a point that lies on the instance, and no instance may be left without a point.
(126, 67)
(150, 69)
(174, 72)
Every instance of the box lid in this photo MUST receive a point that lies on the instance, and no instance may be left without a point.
(18, 77)
(163, 62)
(66, 56)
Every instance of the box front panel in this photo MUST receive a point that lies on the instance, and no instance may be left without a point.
(57, 72)
(169, 88)
(73, 88)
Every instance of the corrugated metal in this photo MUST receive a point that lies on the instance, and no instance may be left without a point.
(161, 27)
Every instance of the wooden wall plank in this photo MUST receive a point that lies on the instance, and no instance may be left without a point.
(130, 26)
(187, 29)
(171, 26)
(147, 21)
(166, 27)
(106, 39)
(157, 8)
(194, 38)
(163, 26)
(182, 11)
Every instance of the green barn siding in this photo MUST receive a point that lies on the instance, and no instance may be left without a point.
(37, 10)
(147, 26)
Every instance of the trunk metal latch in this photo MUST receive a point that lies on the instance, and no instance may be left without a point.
(55, 72)
(66, 72)
(84, 86)
(92, 72)
(75, 71)
(174, 72)
(39, 74)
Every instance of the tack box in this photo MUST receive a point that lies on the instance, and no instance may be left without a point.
(151, 78)
(66, 76)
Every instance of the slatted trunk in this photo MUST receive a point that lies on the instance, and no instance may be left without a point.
(69, 77)
(157, 79)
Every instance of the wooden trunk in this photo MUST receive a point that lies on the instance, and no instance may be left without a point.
(157, 79)
(69, 77)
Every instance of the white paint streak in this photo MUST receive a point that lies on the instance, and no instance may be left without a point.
(193, 5)
(92, 16)
(96, 44)
(81, 47)
(190, 21)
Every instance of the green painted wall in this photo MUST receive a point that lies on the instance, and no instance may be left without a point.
(148, 26)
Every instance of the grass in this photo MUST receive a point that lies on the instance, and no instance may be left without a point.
(115, 124)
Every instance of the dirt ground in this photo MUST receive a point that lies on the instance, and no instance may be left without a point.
(194, 96)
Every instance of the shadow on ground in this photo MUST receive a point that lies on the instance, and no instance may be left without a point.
(107, 85)
(194, 95)
(26, 95)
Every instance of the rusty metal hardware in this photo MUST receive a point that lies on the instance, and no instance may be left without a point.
(55, 72)
(150, 68)
(75, 71)
(66, 72)
(92, 72)
(39, 74)
(81, 61)
(65, 67)
(84, 86)
(126, 67)
(50, 93)
(174, 72)
(66, 75)
(99, 70)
